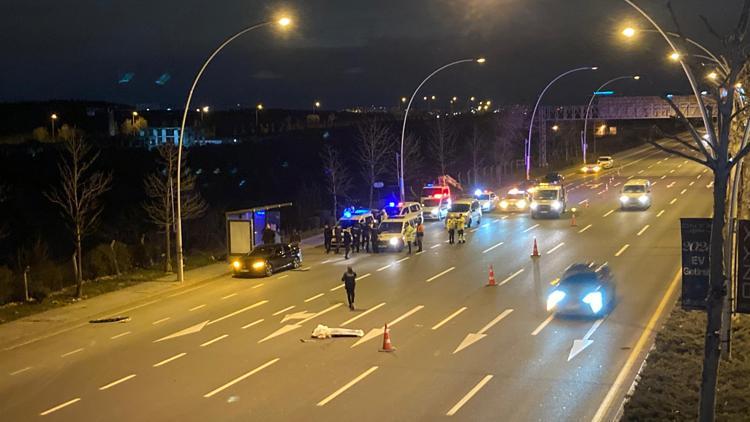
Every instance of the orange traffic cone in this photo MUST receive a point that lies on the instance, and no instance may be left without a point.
(491, 281)
(573, 221)
(387, 346)
(535, 251)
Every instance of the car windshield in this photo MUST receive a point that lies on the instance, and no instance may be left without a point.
(460, 207)
(430, 202)
(605, 159)
(263, 250)
(634, 189)
(483, 197)
(390, 227)
(345, 224)
(516, 196)
(545, 194)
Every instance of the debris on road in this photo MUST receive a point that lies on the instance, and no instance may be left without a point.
(110, 319)
(322, 331)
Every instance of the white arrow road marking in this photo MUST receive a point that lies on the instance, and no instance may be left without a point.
(469, 395)
(450, 317)
(240, 378)
(347, 386)
(541, 326)
(60, 406)
(559, 245)
(114, 383)
(350, 320)
(660, 213)
(375, 332)
(608, 213)
(166, 361)
(492, 247)
(510, 277)
(246, 308)
(584, 229)
(472, 338)
(290, 327)
(296, 315)
(531, 228)
(622, 249)
(190, 330)
(441, 274)
(580, 345)
(643, 229)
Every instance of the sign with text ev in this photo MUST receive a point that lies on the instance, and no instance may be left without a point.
(743, 267)
(696, 238)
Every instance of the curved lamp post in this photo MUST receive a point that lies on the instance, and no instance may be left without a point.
(402, 192)
(283, 22)
(536, 106)
(588, 111)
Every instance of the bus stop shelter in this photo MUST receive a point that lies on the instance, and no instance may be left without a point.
(245, 227)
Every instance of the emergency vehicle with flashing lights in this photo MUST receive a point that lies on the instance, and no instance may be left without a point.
(412, 210)
(515, 200)
(487, 199)
(548, 200)
(351, 217)
(390, 232)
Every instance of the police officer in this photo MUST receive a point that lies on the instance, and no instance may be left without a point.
(337, 233)
(460, 226)
(374, 238)
(347, 243)
(350, 282)
(327, 236)
(356, 236)
(450, 224)
(366, 237)
(420, 236)
(409, 235)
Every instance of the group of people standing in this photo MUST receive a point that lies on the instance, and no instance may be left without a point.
(413, 236)
(453, 225)
(359, 236)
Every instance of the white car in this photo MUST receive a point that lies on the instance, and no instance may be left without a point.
(405, 209)
(605, 162)
(636, 193)
(548, 200)
(390, 232)
(435, 208)
(469, 208)
(487, 199)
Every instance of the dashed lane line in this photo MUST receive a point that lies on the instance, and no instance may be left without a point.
(287, 275)
(450, 317)
(210, 342)
(682, 192)
(663, 177)
(229, 295)
(384, 267)
(167, 360)
(510, 277)
(602, 266)
(341, 286)
(160, 321)
(72, 352)
(469, 395)
(559, 245)
(246, 308)
(660, 213)
(541, 326)
(493, 247)
(350, 320)
(240, 378)
(256, 322)
(691, 183)
(20, 371)
(622, 249)
(257, 286)
(434, 246)
(60, 406)
(281, 311)
(310, 299)
(673, 201)
(114, 383)
(585, 228)
(119, 335)
(195, 308)
(402, 260)
(531, 228)
(440, 274)
(608, 213)
(347, 386)
(583, 202)
(643, 229)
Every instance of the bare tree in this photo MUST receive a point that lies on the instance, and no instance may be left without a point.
(412, 161)
(337, 175)
(442, 144)
(373, 151)
(160, 188)
(79, 196)
(509, 137)
(40, 134)
(725, 146)
(133, 126)
(476, 150)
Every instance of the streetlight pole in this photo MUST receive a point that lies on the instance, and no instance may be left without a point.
(536, 106)
(588, 112)
(53, 118)
(258, 108)
(178, 237)
(402, 192)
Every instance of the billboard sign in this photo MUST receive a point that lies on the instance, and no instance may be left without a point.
(696, 241)
(743, 267)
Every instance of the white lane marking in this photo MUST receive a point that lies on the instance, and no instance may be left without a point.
(684, 162)
(210, 342)
(663, 177)
(258, 285)
(119, 335)
(310, 299)
(679, 166)
(643, 229)
(650, 166)
(440, 274)
(406, 315)
(691, 183)
(20, 371)
(246, 308)
(580, 344)
(583, 202)
(256, 322)
(485, 225)
(72, 352)
(630, 177)
(166, 361)
(114, 383)
(617, 184)
(384, 267)
(492, 247)
(402, 260)
(704, 170)
(341, 286)
(559, 245)
(531, 228)
(347, 386)
(601, 266)
(699, 176)
(654, 184)
(504, 217)
(584, 229)
(350, 320)
(660, 213)
(303, 269)
(434, 246)
(541, 326)
(160, 321)
(673, 201)
(682, 192)
(670, 185)
(601, 192)
(671, 171)
(327, 261)
(497, 319)
(184, 332)
(640, 171)
(450, 317)
(376, 332)
(608, 213)
(60, 406)
(710, 184)
(281, 311)
(469, 395)
(287, 275)
(510, 277)
(241, 377)
(230, 295)
(195, 308)
(474, 230)
(419, 253)
(622, 249)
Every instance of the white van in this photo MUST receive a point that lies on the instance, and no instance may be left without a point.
(636, 193)
(405, 209)
(390, 232)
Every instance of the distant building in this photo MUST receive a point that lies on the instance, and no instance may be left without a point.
(154, 137)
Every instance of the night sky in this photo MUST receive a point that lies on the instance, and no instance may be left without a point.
(342, 52)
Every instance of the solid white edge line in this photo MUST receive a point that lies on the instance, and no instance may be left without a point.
(166, 361)
(440, 274)
(240, 378)
(469, 395)
(346, 386)
(114, 383)
(352, 319)
(450, 317)
(60, 406)
(541, 326)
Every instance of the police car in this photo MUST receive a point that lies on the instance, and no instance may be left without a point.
(469, 208)
(548, 200)
(410, 210)
(352, 217)
(487, 199)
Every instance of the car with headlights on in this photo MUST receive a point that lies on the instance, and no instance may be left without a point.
(636, 193)
(264, 260)
(548, 201)
(488, 200)
(605, 161)
(591, 168)
(514, 201)
(469, 208)
(390, 232)
(583, 291)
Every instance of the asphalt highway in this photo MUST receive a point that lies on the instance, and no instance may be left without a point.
(240, 349)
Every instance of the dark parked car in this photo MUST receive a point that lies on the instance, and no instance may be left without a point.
(264, 260)
(583, 291)
(554, 178)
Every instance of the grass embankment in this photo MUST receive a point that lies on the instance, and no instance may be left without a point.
(669, 384)
(91, 288)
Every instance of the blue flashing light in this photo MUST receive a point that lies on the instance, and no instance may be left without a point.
(670, 96)
(361, 211)
(391, 204)
(477, 192)
(347, 214)
(604, 92)
(260, 212)
(429, 185)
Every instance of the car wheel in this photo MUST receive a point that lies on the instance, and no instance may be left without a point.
(269, 270)
(295, 262)
(479, 221)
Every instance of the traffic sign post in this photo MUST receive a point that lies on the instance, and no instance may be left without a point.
(696, 238)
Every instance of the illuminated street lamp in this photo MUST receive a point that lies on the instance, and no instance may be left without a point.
(584, 141)
(479, 60)
(132, 120)
(675, 56)
(53, 119)
(283, 22)
(555, 128)
(258, 108)
(527, 151)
